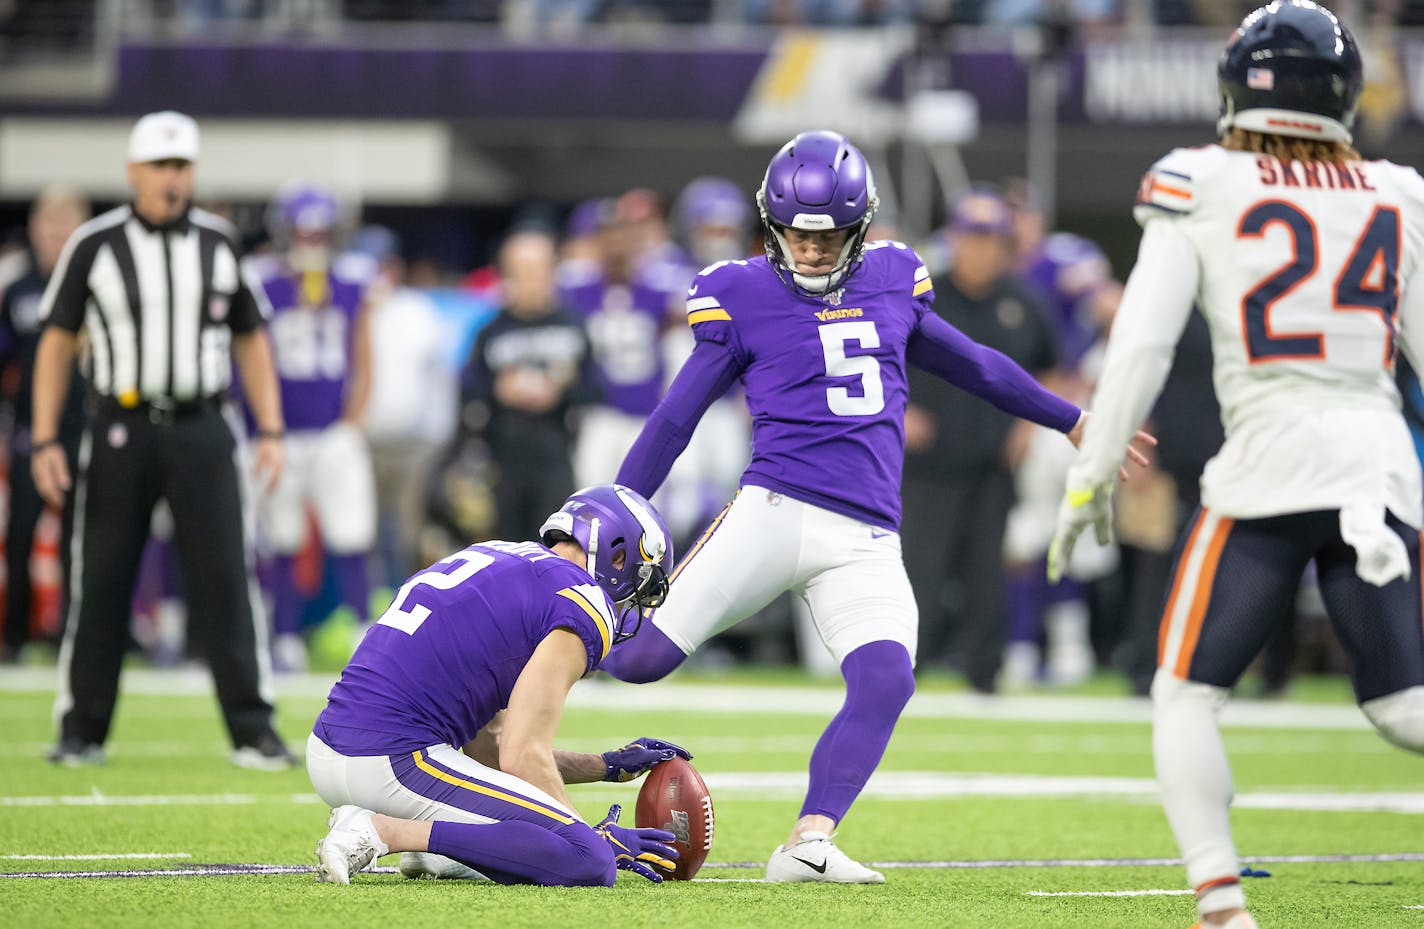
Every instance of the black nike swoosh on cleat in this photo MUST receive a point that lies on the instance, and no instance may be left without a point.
(818, 868)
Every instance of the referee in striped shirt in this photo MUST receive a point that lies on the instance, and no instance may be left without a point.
(158, 286)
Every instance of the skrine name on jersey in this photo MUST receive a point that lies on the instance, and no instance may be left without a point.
(1313, 174)
(853, 312)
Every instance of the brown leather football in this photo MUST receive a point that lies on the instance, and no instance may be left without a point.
(675, 798)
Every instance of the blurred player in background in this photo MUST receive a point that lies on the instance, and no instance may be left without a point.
(1301, 255)
(958, 481)
(713, 221)
(492, 638)
(626, 297)
(818, 331)
(321, 345)
(529, 370)
(54, 216)
(1072, 277)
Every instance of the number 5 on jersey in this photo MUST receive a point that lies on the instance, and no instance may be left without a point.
(842, 402)
(1369, 280)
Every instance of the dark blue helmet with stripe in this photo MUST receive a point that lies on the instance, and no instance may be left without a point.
(626, 544)
(1293, 69)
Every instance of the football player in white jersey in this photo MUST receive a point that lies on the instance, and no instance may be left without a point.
(1306, 261)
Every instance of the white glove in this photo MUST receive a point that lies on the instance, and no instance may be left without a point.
(1079, 510)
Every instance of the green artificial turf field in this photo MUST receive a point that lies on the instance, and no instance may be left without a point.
(972, 792)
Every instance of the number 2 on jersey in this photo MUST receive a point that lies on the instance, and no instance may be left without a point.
(407, 621)
(1369, 279)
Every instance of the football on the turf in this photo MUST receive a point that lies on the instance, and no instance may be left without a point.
(675, 798)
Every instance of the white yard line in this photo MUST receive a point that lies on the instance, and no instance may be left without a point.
(101, 799)
(112, 856)
(798, 747)
(221, 870)
(1107, 893)
(791, 701)
(884, 785)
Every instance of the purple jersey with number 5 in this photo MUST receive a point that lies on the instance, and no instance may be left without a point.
(443, 659)
(824, 376)
(311, 343)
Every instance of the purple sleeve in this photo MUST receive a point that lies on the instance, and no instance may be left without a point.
(705, 376)
(945, 352)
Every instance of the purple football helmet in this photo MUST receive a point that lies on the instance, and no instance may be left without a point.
(302, 208)
(626, 544)
(818, 181)
(302, 220)
(713, 218)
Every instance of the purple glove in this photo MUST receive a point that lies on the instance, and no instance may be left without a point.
(633, 847)
(635, 759)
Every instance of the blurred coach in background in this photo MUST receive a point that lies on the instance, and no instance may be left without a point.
(158, 285)
(54, 216)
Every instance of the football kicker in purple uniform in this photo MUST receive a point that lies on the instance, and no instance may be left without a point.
(821, 351)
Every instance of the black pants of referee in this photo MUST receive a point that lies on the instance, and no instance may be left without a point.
(131, 458)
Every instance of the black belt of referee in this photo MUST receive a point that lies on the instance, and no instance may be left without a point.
(162, 411)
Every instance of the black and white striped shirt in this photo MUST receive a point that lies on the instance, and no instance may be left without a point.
(161, 303)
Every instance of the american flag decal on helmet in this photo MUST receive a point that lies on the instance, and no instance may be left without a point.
(1260, 78)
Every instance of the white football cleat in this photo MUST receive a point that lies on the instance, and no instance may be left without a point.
(1241, 920)
(432, 867)
(350, 846)
(816, 858)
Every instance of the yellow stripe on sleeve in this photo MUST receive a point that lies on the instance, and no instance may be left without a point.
(600, 622)
(703, 316)
(449, 778)
(923, 287)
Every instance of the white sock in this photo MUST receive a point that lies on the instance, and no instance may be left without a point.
(1196, 786)
(1070, 649)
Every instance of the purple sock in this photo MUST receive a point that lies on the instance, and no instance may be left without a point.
(352, 584)
(648, 656)
(1026, 591)
(515, 852)
(286, 602)
(879, 682)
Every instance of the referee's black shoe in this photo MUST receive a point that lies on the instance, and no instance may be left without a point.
(74, 753)
(266, 752)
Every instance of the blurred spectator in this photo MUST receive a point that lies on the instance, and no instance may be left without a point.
(828, 12)
(1021, 12)
(958, 484)
(54, 216)
(529, 368)
(413, 407)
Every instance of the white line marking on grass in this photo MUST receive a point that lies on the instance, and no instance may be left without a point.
(113, 856)
(1107, 893)
(885, 785)
(786, 701)
(218, 870)
(98, 799)
(222, 870)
